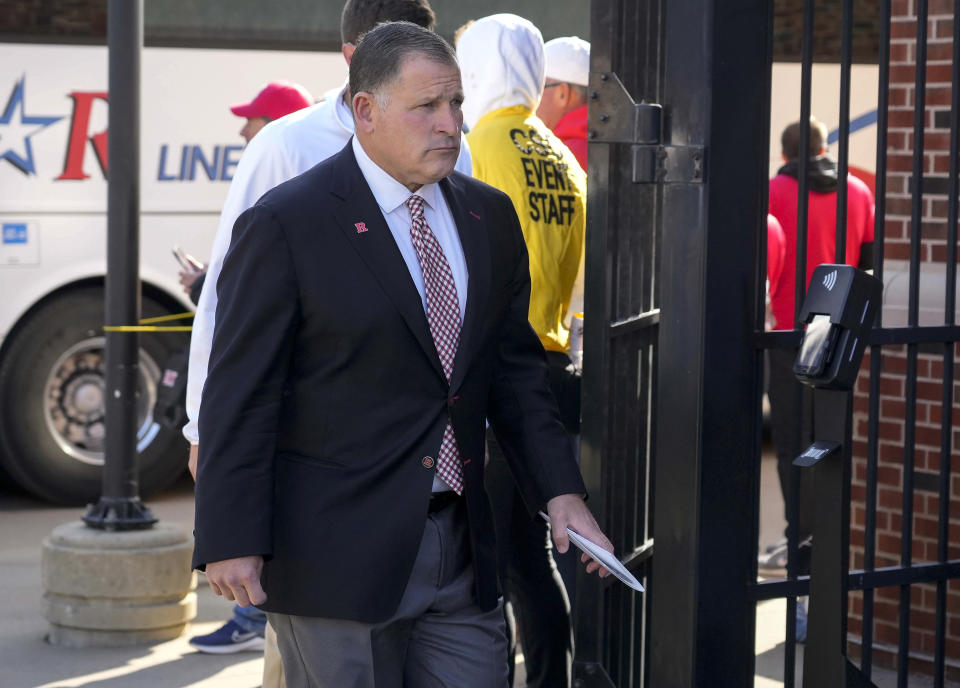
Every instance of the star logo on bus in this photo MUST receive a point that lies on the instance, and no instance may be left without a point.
(16, 129)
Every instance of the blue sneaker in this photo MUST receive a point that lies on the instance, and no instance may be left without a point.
(227, 639)
(801, 622)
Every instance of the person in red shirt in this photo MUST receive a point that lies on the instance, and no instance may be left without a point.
(563, 107)
(821, 215)
(790, 402)
(776, 250)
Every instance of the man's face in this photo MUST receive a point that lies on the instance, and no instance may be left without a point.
(253, 125)
(415, 134)
(554, 103)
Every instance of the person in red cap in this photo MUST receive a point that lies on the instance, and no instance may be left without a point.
(277, 99)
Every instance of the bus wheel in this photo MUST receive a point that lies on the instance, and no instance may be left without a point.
(51, 401)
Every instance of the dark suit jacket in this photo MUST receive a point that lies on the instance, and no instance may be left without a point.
(325, 395)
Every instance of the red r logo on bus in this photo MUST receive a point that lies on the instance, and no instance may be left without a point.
(79, 135)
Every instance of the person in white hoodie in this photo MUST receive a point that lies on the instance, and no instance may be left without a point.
(502, 66)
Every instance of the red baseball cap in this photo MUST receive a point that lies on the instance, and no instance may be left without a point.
(278, 98)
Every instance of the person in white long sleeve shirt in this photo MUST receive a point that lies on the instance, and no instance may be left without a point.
(281, 150)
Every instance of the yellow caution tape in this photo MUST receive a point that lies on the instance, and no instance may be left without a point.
(167, 318)
(146, 326)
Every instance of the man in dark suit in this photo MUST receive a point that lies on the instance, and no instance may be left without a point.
(372, 314)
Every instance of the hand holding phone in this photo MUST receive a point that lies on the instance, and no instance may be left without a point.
(187, 262)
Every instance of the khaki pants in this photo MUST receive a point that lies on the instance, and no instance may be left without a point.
(272, 666)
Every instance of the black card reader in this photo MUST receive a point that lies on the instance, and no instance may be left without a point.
(838, 313)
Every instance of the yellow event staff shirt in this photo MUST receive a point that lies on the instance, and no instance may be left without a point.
(514, 151)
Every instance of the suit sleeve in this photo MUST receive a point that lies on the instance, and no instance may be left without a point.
(256, 317)
(523, 412)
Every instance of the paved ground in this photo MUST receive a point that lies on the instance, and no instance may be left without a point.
(28, 662)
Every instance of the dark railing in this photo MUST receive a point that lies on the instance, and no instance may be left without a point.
(674, 339)
(914, 336)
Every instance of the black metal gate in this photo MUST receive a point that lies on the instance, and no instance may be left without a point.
(675, 341)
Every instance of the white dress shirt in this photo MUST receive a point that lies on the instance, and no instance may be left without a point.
(280, 151)
(392, 196)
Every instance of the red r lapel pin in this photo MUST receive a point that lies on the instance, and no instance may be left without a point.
(361, 227)
(474, 214)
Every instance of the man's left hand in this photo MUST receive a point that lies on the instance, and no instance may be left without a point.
(570, 510)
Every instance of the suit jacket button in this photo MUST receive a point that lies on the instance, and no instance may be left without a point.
(427, 462)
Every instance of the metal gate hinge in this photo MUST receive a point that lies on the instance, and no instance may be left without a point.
(616, 118)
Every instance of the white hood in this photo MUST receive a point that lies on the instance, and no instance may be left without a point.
(502, 64)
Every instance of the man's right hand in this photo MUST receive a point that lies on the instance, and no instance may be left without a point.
(237, 580)
(188, 277)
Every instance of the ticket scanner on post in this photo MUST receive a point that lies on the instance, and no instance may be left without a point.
(837, 315)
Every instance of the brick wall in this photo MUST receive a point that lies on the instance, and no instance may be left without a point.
(893, 391)
(788, 30)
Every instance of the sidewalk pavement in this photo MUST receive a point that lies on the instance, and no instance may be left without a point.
(29, 662)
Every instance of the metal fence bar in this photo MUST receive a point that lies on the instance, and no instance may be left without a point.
(919, 122)
(645, 603)
(949, 318)
(806, 82)
(876, 351)
(846, 57)
(909, 445)
(885, 577)
(840, 255)
(761, 293)
(800, 284)
(888, 336)
(870, 506)
(915, 335)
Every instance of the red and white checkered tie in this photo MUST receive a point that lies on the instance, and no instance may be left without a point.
(443, 316)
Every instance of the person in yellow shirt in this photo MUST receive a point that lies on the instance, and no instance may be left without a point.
(518, 154)
(502, 66)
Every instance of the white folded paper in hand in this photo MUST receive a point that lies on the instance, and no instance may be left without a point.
(601, 555)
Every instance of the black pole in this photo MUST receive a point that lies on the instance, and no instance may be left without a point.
(119, 507)
(826, 635)
(825, 661)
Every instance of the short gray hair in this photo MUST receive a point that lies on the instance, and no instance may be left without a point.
(381, 52)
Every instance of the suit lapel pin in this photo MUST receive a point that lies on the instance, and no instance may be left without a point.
(474, 214)
(362, 227)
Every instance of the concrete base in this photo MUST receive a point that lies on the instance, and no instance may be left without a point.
(117, 588)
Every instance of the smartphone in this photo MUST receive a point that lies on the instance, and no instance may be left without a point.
(187, 262)
(816, 349)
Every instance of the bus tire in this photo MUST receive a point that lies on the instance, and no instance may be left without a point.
(51, 401)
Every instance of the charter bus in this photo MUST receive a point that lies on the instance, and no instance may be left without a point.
(199, 59)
